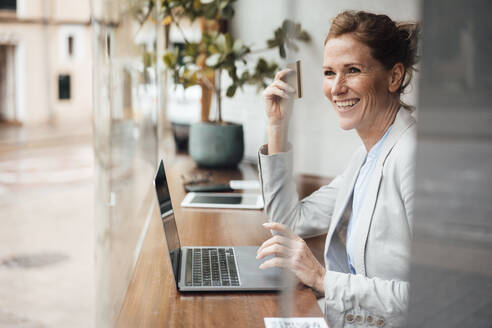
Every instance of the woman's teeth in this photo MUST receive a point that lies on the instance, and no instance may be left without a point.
(346, 104)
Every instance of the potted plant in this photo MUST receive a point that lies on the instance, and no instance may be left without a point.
(216, 143)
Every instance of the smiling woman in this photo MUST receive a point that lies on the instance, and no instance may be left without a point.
(361, 89)
(370, 58)
(367, 211)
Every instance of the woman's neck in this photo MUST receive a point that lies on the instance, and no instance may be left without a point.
(379, 126)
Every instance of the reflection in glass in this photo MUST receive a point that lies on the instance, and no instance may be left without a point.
(126, 103)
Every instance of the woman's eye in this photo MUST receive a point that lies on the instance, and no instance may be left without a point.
(354, 70)
(328, 73)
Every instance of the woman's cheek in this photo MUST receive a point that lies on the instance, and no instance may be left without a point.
(372, 97)
(327, 88)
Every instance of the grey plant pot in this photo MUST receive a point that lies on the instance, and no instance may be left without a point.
(215, 145)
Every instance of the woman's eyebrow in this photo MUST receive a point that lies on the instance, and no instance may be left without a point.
(353, 64)
(345, 65)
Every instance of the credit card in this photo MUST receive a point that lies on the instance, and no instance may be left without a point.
(294, 79)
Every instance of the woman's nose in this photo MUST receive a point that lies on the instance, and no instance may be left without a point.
(338, 86)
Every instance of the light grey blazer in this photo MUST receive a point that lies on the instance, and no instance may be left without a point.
(378, 294)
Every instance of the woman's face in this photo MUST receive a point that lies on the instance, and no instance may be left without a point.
(356, 84)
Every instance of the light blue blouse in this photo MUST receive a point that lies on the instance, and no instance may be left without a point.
(360, 189)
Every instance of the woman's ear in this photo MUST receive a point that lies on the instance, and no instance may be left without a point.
(396, 77)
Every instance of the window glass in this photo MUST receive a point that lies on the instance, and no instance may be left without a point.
(63, 87)
(70, 41)
(8, 4)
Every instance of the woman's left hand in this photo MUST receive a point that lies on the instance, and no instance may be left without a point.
(291, 252)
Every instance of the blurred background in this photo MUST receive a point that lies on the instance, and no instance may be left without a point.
(88, 105)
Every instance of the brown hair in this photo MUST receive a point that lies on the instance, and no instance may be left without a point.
(390, 42)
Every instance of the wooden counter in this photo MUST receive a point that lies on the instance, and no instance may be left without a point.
(152, 299)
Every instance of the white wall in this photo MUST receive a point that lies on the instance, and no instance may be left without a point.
(30, 9)
(321, 146)
(42, 54)
(78, 66)
(73, 10)
(30, 62)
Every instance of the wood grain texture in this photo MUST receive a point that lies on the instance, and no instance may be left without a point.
(152, 299)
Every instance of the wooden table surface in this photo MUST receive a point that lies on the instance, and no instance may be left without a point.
(152, 299)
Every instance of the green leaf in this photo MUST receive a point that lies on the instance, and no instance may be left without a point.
(291, 45)
(221, 42)
(281, 51)
(261, 65)
(272, 43)
(213, 49)
(170, 58)
(304, 36)
(245, 76)
(223, 4)
(288, 26)
(213, 60)
(228, 43)
(237, 47)
(174, 4)
(191, 49)
(244, 51)
(227, 12)
(211, 11)
(188, 59)
(280, 35)
(167, 61)
(231, 90)
(231, 70)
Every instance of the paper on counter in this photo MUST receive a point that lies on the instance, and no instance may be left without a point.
(312, 322)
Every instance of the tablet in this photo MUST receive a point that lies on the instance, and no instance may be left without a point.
(223, 200)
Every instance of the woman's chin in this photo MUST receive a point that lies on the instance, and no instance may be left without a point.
(347, 117)
(346, 123)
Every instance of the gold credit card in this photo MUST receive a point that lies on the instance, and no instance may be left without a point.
(294, 79)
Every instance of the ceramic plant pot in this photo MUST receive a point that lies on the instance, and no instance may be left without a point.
(216, 145)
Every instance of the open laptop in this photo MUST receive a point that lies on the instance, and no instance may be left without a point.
(217, 268)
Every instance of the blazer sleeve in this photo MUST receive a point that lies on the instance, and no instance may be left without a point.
(308, 217)
(354, 294)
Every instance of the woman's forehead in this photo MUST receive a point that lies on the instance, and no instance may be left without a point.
(345, 49)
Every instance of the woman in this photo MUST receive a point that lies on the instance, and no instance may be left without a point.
(367, 210)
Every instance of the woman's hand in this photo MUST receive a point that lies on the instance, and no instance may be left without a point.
(275, 97)
(291, 252)
(277, 110)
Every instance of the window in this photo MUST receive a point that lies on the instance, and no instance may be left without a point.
(8, 4)
(70, 45)
(63, 87)
(108, 45)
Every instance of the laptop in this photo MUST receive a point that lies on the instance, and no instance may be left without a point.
(217, 268)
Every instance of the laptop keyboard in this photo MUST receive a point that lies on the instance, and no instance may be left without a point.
(211, 267)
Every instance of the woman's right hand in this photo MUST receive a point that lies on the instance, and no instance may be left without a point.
(275, 97)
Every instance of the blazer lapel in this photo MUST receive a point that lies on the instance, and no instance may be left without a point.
(344, 195)
(402, 122)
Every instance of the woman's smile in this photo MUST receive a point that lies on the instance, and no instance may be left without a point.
(346, 105)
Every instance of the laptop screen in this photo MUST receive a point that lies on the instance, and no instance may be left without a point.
(168, 221)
